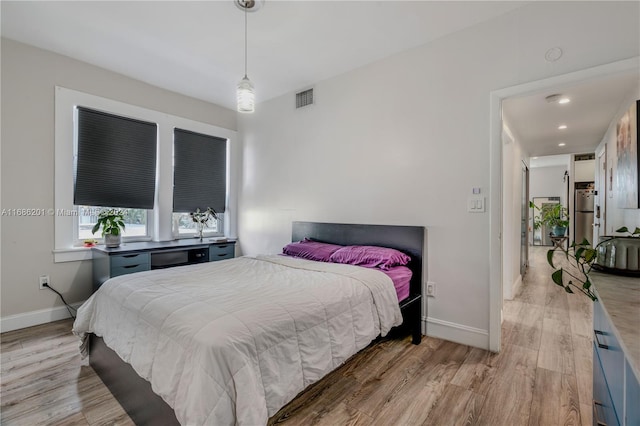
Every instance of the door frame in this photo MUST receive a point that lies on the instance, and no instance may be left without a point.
(496, 229)
(601, 198)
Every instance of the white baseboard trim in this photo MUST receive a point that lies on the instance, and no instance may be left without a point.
(29, 319)
(458, 333)
(516, 286)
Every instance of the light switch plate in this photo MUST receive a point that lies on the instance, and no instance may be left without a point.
(475, 204)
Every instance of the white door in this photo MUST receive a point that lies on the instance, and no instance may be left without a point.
(599, 226)
(524, 221)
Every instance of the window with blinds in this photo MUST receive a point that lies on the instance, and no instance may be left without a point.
(199, 172)
(115, 161)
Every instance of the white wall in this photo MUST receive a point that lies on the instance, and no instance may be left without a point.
(547, 182)
(405, 139)
(617, 217)
(29, 77)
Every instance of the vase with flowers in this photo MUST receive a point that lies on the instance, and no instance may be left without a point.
(202, 220)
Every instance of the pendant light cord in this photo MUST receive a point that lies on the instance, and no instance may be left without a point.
(245, 38)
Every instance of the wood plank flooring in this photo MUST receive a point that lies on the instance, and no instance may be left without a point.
(542, 376)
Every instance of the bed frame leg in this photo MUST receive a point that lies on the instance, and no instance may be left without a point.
(416, 335)
(411, 309)
(416, 322)
(416, 329)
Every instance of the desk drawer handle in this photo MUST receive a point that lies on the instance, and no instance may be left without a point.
(596, 417)
(131, 255)
(600, 345)
(222, 247)
(222, 254)
(131, 266)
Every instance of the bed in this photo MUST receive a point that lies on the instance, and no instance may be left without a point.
(295, 322)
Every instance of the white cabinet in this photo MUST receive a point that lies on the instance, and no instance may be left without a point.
(584, 171)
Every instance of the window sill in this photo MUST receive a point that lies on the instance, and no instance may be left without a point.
(73, 254)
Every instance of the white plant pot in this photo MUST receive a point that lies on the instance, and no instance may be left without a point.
(112, 240)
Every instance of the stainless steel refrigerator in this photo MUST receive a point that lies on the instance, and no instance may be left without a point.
(583, 217)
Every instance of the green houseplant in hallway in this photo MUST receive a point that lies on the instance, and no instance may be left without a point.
(554, 217)
(112, 223)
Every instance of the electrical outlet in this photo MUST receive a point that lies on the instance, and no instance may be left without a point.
(431, 289)
(44, 279)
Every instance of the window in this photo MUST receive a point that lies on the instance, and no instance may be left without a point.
(135, 221)
(154, 220)
(185, 227)
(199, 180)
(115, 167)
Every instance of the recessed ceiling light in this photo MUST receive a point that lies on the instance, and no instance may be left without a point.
(561, 144)
(562, 127)
(557, 98)
(534, 158)
(553, 54)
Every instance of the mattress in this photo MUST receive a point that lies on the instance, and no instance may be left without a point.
(233, 341)
(401, 277)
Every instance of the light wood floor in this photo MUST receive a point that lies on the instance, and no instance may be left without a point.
(542, 376)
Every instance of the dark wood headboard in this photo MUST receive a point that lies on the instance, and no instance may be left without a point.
(407, 239)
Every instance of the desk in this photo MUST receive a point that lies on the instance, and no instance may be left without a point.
(144, 256)
(558, 241)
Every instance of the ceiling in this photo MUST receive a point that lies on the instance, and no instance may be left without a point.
(594, 104)
(196, 48)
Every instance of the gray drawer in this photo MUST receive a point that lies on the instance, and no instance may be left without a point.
(221, 251)
(603, 408)
(610, 354)
(128, 269)
(130, 259)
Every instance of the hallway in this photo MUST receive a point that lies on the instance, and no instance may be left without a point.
(549, 332)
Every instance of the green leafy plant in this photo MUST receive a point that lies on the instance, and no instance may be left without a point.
(582, 256)
(111, 221)
(550, 215)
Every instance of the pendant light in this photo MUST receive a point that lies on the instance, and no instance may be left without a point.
(245, 95)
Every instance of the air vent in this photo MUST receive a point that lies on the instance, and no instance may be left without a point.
(304, 98)
(583, 157)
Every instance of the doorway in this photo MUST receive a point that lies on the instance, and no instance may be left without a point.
(498, 233)
(541, 233)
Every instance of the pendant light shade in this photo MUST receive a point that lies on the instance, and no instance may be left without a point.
(246, 96)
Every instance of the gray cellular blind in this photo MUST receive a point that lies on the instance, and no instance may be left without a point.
(199, 171)
(116, 161)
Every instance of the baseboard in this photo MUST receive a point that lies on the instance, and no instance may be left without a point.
(516, 286)
(29, 319)
(458, 333)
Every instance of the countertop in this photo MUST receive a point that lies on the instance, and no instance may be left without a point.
(620, 297)
(163, 245)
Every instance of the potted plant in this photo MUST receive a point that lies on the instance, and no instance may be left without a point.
(112, 223)
(553, 216)
(582, 258)
(202, 219)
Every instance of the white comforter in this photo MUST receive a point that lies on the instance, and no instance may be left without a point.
(231, 342)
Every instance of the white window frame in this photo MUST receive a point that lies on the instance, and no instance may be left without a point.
(208, 234)
(159, 220)
(98, 236)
